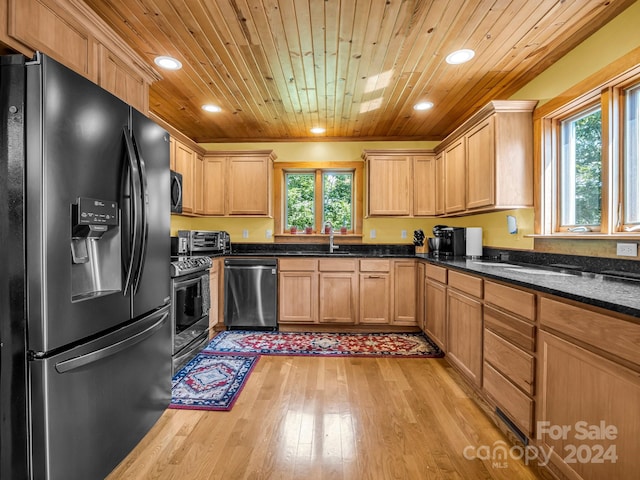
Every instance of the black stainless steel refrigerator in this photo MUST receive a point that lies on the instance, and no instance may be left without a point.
(84, 249)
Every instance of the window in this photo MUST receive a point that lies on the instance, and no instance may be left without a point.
(631, 188)
(581, 170)
(590, 159)
(309, 195)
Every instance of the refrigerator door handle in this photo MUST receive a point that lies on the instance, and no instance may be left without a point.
(135, 209)
(91, 357)
(142, 254)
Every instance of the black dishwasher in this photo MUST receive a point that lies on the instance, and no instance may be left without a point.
(251, 293)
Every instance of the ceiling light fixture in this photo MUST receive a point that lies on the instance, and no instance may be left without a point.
(211, 108)
(460, 56)
(168, 63)
(423, 106)
(317, 130)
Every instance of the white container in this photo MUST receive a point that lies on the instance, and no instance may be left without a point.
(474, 242)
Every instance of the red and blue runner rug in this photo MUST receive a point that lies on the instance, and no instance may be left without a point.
(327, 344)
(215, 377)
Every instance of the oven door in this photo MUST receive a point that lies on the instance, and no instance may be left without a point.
(190, 308)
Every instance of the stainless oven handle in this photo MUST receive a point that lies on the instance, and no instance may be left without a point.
(177, 283)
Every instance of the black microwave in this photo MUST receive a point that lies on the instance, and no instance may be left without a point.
(176, 192)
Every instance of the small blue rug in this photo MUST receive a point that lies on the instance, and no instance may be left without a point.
(211, 381)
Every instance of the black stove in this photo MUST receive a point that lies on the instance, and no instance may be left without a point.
(185, 265)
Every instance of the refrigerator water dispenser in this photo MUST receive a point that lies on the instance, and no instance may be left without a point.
(96, 265)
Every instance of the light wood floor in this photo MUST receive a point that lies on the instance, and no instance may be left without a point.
(328, 418)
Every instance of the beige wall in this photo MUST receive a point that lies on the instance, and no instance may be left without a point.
(612, 41)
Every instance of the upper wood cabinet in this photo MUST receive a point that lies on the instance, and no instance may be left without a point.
(183, 159)
(488, 160)
(238, 183)
(71, 33)
(400, 182)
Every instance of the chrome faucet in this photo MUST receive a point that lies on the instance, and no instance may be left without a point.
(332, 247)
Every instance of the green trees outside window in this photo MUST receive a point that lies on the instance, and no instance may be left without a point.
(336, 199)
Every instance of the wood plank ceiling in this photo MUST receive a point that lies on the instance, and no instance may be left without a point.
(355, 67)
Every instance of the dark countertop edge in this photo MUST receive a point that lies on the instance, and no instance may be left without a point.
(614, 307)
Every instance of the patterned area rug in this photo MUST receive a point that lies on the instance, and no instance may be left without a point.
(328, 344)
(210, 381)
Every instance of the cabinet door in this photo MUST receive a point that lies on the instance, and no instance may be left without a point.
(581, 391)
(436, 312)
(424, 185)
(375, 298)
(121, 80)
(184, 164)
(480, 164)
(389, 185)
(338, 292)
(464, 334)
(249, 186)
(213, 195)
(404, 297)
(439, 184)
(198, 184)
(454, 177)
(420, 295)
(298, 297)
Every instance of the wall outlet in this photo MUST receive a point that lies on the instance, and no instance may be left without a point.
(245, 233)
(268, 233)
(403, 234)
(627, 249)
(372, 233)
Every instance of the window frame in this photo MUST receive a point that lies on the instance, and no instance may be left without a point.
(280, 171)
(607, 89)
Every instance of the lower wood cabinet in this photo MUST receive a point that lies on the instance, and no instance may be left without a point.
(436, 312)
(338, 291)
(405, 293)
(298, 291)
(464, 334)
(374, 292)
(588, 415)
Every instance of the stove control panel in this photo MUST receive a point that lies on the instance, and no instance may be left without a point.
(187, 265)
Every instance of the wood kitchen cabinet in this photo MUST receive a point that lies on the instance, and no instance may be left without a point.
(488, 160)
(184, 159)
(399, 182)
(464, 324)
(439, 183)
(338, 285)
(214, 287)
(375, 292)
(436, 305)
(297, 290)
(589, 378)
(75, 36)
(509, 352)
(238, 183)
(454, 168)
(404, 293)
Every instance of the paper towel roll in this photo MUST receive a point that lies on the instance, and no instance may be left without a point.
(474, 242)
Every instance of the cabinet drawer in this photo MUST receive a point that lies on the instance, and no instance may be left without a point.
(297, 264)
(513, 363)
(439, 274)
(516, 331)
(371, 265)
(337, 265)
(511, 299)
(466, 283)
(613, 335)
(517, 405)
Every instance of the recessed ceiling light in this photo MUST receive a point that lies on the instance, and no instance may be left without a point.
(317, 130)
(460, 56)
(211, 108)
(168, 63)
(423, 106)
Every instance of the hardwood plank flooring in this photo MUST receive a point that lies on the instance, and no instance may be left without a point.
(329, 418)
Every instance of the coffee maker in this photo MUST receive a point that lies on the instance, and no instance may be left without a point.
(447, 241)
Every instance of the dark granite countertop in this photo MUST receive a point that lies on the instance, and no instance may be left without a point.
(608, 291)
(611, 284)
